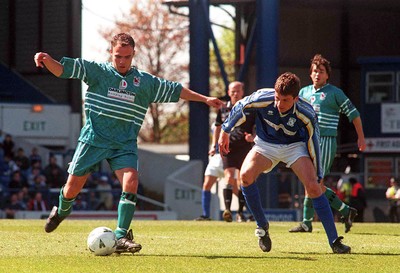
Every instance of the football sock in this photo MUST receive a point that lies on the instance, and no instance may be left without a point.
(126, 209)
(324, 213)
(205, 202)
(308, 211)
(253, 200)
(336, 203)
(64, 204)
(242, 201)
(227, 198)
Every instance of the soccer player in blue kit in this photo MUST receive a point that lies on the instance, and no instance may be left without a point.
(287, 131)
(116, 103)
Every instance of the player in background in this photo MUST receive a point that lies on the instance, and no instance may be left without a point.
(328, 102)
(287, 131)
(116, 103)
(241, 142)
(213, 172)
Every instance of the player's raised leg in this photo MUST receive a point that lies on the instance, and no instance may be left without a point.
(67, 196)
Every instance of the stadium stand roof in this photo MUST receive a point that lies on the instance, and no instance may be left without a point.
(14, 89)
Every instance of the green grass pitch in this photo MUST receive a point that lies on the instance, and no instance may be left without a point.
(189, 246)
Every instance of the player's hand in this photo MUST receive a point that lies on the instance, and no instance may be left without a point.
(211, 152)
(39, 58)
(223, 143)
(249, 137)
(214, 102)
(361, 144)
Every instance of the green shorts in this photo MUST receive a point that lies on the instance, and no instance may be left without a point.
(328, 149)
(87, 159)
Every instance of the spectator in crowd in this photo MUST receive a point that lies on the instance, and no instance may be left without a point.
(55, 175)
(140, 191)
(33, 173)
(393, 201)
(344, 186)
(115, 184)
(9, 166)
(116, 189)
(17, 181)
(22, 162)
(357, 199)
(23, 197)
(35, 157)
(105, 194)
(13, 206)
(80, 203)
(91, 181)
(93, 201)
(8, 146)
(40, 183)
(37, 203)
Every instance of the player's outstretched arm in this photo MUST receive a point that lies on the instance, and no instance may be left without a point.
(43, 59)
(190, 95)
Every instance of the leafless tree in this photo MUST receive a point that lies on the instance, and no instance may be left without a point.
(162, 42)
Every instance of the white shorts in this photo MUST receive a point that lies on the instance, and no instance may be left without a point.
(214, 166)
(286, 153)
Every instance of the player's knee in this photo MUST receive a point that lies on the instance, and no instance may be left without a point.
(247, 178)
(313, 190)
(207, 185)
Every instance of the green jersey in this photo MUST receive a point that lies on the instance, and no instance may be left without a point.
(329, 102)
(115, 105)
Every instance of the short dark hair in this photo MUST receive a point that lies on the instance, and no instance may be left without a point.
(352, 180)
(124, 39)
(288, 84)
(318, 60)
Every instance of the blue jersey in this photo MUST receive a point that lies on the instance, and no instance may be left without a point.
(299, 124)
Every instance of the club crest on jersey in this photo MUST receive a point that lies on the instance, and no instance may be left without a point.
(123, 84)
(322, 96)
(136, 81)
(291, 122)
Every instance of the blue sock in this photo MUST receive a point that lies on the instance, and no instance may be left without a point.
(253, 201)
(205, 202)
(324, 212)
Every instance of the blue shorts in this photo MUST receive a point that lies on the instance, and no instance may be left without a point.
(87, 159)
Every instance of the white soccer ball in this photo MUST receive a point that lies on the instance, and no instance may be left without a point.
(102, 241)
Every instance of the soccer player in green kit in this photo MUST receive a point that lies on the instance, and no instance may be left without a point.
(328, 102)
(116, 103)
